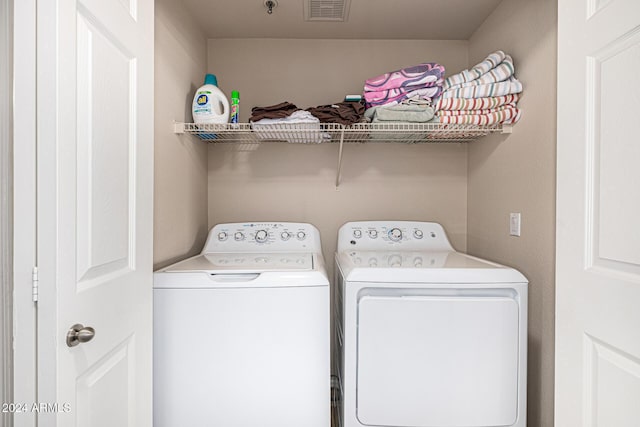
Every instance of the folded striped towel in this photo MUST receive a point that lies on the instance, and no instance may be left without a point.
(490, 62)
(476, 103)
(500, 73)
(507, 116)
(507, 87)
(472, 112)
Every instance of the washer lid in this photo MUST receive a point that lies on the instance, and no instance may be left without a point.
(230, 263)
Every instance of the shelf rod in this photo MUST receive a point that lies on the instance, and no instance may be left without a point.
(338, 172)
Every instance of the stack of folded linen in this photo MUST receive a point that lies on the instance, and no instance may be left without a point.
(344, 113)
(408, 111)
(484, 95)
(411, 110)
(423, 81)
(286, 122)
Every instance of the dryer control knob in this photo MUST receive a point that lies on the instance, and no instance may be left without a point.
(285, 235)
(395, 234)
(301, 235)
(222, 236)
(239, 236)
(261, 236)
(418, 234)
(357, 234)
(373, 234)
(395, 261)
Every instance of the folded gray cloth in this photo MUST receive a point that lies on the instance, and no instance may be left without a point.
(410, 113)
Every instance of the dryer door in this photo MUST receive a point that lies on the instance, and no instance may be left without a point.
(436, 360)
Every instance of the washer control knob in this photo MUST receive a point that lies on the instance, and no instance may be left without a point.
(418, 234)
(261, 236)
(417, 262)
(285, 235)
(357, 234)
(395, 234)
(222, 236)
(301, 235)
(239, 236)
(373, 233)
(373, 262)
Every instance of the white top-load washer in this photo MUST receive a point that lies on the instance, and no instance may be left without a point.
(426, 336)
(241, 331)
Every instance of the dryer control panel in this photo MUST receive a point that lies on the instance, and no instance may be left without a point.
(399, 235)
(263, 237)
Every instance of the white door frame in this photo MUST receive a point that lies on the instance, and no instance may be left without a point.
(6, 232)
(24, 208)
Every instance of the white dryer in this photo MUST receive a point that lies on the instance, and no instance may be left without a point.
(426, 336)
(241, 331)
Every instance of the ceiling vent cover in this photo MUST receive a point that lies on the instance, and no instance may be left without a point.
(326, 10)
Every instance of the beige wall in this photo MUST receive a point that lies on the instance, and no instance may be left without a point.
(517, 174)
(180, 196)
(292, 182)
(470, 188)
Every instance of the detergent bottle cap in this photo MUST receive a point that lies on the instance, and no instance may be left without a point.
(210, 79)
(235, 94)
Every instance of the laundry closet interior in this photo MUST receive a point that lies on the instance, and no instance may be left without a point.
(470, 188)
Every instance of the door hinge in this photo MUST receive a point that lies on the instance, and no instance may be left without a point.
(34, 284)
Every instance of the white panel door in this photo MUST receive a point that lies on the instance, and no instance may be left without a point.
(95, 186)
(598, 208)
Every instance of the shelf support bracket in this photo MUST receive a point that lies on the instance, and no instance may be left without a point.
(338, 171)
(178, 127)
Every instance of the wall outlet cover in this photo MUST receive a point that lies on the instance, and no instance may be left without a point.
(514, 224)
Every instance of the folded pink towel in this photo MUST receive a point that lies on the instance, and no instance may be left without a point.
(428, 74)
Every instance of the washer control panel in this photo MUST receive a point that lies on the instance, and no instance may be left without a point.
(385, 235)
(263, 237)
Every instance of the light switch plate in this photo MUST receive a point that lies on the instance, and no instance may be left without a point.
(514, 224)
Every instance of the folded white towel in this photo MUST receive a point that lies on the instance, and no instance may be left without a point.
(299, 127)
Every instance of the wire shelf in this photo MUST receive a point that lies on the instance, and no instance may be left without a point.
(314, 133)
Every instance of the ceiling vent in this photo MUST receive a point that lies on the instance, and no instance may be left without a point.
(326, 10)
